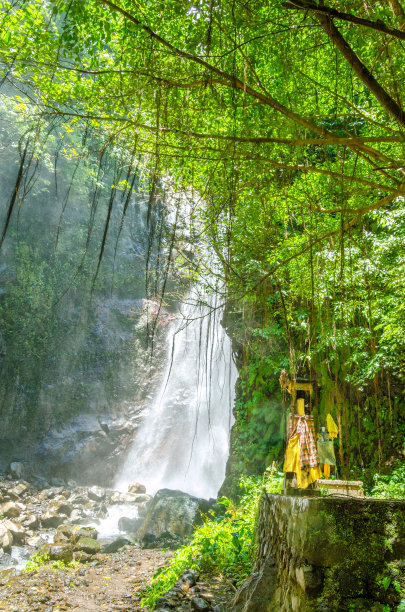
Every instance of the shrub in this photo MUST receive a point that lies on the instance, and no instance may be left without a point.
(223, 544)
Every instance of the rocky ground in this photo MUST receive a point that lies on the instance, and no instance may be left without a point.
(109, 582)
(81, 567)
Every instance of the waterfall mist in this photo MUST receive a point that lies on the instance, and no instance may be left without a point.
(183, 442)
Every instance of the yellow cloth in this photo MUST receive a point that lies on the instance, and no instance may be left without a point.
(332, 427)
(292, 464)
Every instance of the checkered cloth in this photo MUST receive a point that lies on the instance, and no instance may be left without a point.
(304, 426)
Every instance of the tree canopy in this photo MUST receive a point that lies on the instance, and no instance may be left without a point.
(284, 120)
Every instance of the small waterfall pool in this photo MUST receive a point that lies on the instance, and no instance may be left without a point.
(183, 442)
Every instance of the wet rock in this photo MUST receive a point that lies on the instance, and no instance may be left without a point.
(189, 578)
(142, 509)
(36, 541)
(6, 538)
(88, 545)
(51, 520)
(172, 511)
(166, 603)
(65, 533)
(10, 510)
(17, 531)
(56, 482)
(39, 482)
(5, 559)
(87, 532)
(116, 545)
(60, 552)
(96, 494)
(149, 540)
(78, 499)
(73, 533)
(83, 557)
(136, 487)
(19, 489)
(16, 470)
(30, 521)
(129, 525)
(167, 540)
(123, 498)
(43, 495)
(199, 604)
(61, 507)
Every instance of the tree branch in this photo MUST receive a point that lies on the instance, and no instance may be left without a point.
(360, 213)
(235, 83)
(335, 14)
(361, 70)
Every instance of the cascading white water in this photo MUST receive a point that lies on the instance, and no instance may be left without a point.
(183, 442)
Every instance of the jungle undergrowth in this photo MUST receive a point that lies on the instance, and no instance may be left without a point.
(225, 544)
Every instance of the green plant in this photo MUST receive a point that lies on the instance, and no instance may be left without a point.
(392, 485)
(222, 544)
(37, 560)
(40, 559)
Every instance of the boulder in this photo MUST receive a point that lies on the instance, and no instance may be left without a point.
(96, 494)
(129, 525)
(56, 482)
(43, 495)
(78, 499)
(143, 508)
(122, 498)
(172, 511)
(6, 538)
(77, 516)
(61, 552)
(39, 482)
(51, 520)
(197, 603)
(65, 533)
(5, 560)
(16, 469)
(30, 521)
(116, 545)
(136, 487)
(73, 533)
(36, 541)
(82, 557)
(17, 530)
(88, 545)
(10, 510)
(61, 507)
(87, 532)
(19, 489)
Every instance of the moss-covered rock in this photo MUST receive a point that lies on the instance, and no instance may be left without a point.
(88, 545)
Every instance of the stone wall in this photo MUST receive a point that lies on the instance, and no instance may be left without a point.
(326, 554)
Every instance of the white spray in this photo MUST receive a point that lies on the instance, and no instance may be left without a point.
(183, 442)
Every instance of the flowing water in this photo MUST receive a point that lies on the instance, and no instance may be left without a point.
(183, 442)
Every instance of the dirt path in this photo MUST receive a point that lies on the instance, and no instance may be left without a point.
(110, 582)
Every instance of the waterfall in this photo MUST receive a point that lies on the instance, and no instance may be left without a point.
(183, 442)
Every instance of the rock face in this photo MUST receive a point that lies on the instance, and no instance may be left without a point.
(325, 554)
(89, 441)
(174, 512)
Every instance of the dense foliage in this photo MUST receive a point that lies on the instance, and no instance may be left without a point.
(224, 544)
(284, 122)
